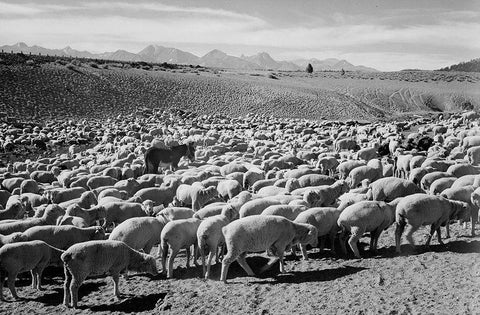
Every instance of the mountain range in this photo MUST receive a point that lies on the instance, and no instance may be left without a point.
(215, 58)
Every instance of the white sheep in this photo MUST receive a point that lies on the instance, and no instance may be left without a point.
(365, 216)
(117, 212)
(176, 213)
(346, 167)
(12, 238)
(325, 220)
(440, 184)
(287, 211)
(465, 194)
(308, 180)
(63, 236)
(140, 233)
(372, 171)
(176, 235)
(420, 209)
(210, 237)
(256, 206)
(195, 195)
(31, 256)
(325, 195)
(229, 188)
(389, 188)
(50, 216)
(260, 233)
(429, 178)
(79, 217)
(97, 258)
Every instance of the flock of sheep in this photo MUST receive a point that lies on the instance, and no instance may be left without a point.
(253, 184)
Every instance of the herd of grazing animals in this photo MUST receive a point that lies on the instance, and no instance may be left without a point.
(227, 187)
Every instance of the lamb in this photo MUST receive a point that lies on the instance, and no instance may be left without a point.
(287, 211)
(12, 238)
(229, 188)
(50, 216)
(325, 220)
(195, 195)
(403, 165)
(389, 188)
(327, 165)
(271, 191)
(416, 174)
(99, 181)
(29, 186)
(31, 256)
(63, 236)
(140, 233)
(308, 180)
(117, 212)
(421, 209)
(260, 233)
(97, 258)
(372, 171)
(259, 184)
(59, 195)
(459, 170)
(34, 200)
(325, 195)
(210, 237)
(176, 213)
(251, 176)
(86, 200)
(464, 194)
(162, 195)
(209, 210)
(365, 216)
(79, 217)
(14, 209)
(256, 206)
(429, 178)
(346, 167)
(440, 184)
(177, 235)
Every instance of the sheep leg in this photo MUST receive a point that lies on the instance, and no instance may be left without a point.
(11, 284)
(270, 263)
(204, 267)
(357, 233)
(322, 244)
(331, 237)
(172, 256)
(209, 264)
(472, 220)
(188, 249)
(429, 238)
(164, 258)
(243, 263)
(2, 279)
(399, 228)
(66, 287)
(343, 241)
(409, 236)
(227, 260)
(116, 290)
(374, 236)
(195, 254)
(439, 236)
(34, 278)
(304, 251)
(74, 285)
(447, 227)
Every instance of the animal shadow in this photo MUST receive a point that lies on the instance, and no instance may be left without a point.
(137, 303)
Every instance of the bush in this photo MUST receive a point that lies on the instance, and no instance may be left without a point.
(93, 65)
(71, 66)
(309, 68)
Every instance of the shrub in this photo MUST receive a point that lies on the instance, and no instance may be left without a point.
(93, 65)
(309, 68)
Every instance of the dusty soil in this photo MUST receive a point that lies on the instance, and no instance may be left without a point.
(51, 88)
(443, 280)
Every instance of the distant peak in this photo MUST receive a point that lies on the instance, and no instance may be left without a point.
(21, 44)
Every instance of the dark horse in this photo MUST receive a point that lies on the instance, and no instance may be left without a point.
(155, 157)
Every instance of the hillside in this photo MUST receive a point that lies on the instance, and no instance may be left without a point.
(468, 66)
(36, 88)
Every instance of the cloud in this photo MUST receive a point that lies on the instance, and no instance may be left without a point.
(100, 26)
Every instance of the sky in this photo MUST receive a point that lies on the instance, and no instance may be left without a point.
(388, 35)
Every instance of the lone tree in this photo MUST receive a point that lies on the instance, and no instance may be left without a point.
(309, 68)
